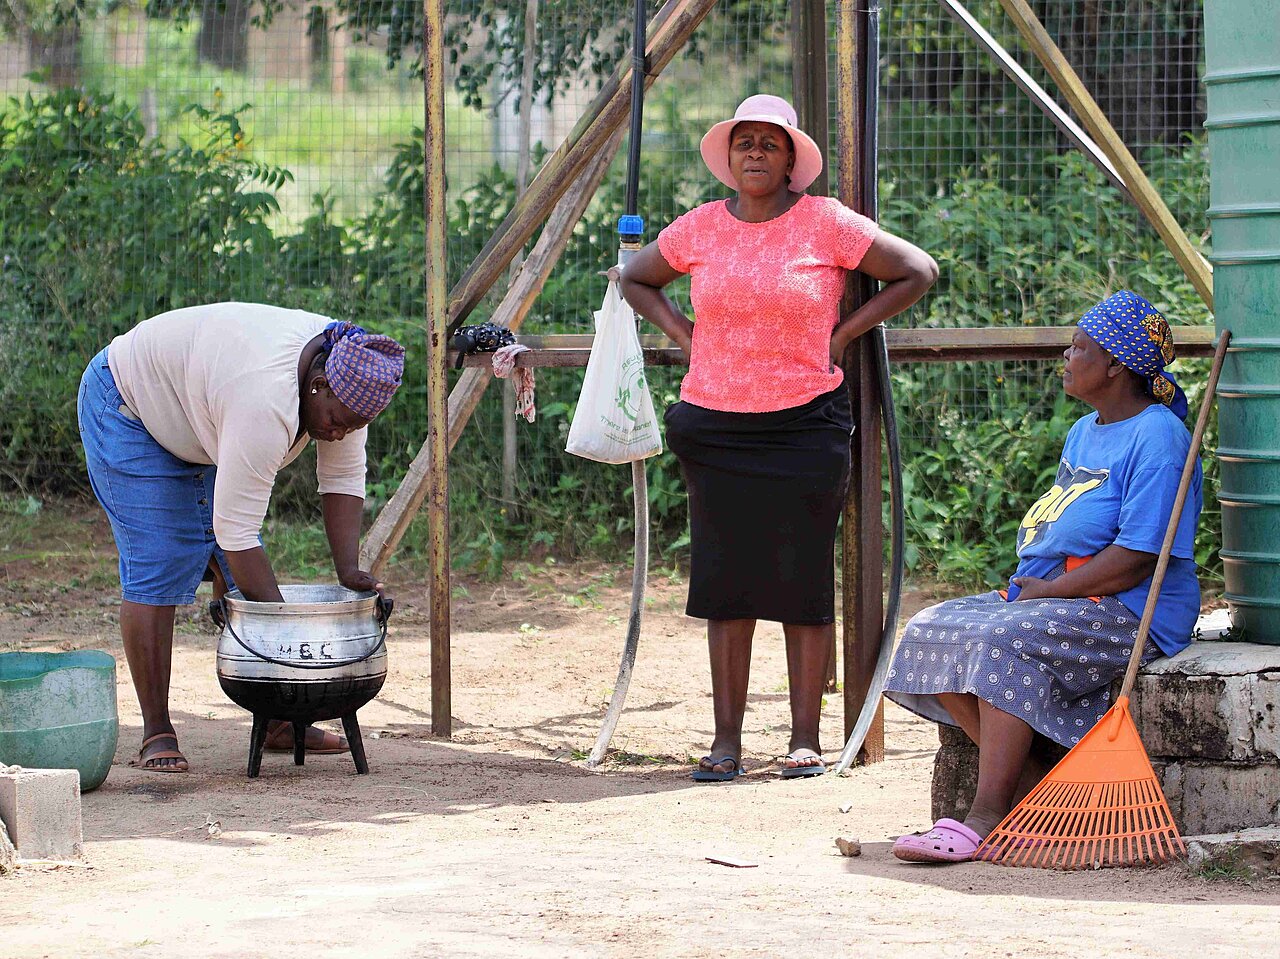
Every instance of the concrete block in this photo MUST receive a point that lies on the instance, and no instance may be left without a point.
(1210, 797)
(1250, 853)
(1218, 701)
(41, 811)
(955, 774)
(8, 855)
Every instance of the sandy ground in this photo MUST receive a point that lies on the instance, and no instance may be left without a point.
(501, 843)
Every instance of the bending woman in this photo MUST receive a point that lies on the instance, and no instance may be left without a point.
(763, 423)
(1039, 658)
(186, 420)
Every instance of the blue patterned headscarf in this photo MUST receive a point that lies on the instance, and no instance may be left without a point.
(1138, 336)
(363, 369)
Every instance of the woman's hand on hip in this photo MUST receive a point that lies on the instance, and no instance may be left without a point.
(642, 283)
(839, 344)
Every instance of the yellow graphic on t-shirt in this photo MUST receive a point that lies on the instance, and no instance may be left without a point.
(1070, 484)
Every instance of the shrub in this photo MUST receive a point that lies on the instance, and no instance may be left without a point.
(99, 229)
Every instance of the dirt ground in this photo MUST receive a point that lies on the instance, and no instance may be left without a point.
(501, 843)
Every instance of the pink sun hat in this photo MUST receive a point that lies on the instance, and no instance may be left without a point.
(767, 109)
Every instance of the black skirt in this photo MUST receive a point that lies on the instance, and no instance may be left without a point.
(765, 493)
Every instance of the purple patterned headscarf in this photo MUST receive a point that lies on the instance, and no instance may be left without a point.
(363, 369)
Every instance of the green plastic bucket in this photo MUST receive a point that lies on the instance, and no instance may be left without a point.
(1242, 52)
(58, 711)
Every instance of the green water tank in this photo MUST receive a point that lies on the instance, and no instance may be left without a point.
(1242, 77)
(58, 711)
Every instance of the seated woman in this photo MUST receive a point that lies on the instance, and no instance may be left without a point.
(1040, 657)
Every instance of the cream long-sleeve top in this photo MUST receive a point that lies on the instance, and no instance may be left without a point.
(218, 385)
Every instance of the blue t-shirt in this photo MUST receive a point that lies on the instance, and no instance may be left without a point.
(1116, 483)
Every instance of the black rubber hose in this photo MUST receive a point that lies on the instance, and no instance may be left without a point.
(870, 183)
(638, 70)
(639, 477)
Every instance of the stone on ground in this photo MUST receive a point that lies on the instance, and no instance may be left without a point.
(1248, 854)
(40, 809)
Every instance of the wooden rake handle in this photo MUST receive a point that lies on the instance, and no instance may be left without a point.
(1171, 532)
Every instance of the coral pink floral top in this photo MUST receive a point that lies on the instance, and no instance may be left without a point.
(766, 297)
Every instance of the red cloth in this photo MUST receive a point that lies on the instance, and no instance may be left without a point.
(766, 297)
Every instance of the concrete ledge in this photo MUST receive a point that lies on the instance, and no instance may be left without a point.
(1210, 721)
(1248, 854)
(1213, 700)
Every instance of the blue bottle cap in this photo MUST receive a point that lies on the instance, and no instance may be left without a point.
(630, 225)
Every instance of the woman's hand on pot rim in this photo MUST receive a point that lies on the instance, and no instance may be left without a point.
(361, 581)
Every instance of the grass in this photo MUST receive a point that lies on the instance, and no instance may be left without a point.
(622, 757)
(1224, 866)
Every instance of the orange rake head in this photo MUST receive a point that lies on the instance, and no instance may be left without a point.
(1100, 806)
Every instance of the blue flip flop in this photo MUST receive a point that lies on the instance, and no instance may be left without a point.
(803, 772)
(701, 775)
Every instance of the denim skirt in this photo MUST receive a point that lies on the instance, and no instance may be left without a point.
(160, 507)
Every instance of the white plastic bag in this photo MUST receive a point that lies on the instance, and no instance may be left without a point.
(615, 421)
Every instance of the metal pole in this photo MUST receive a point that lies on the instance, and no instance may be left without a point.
(435, 316)
(1036, 93)
(809, 90)
(630, 235)
(863, 537)
(809, 77)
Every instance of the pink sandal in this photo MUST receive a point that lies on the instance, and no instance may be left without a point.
(947, 841)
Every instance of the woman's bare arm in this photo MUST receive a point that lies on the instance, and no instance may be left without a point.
(1112, 571)
(906, 271)
(642, 285)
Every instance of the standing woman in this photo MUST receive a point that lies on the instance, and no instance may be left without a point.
(186, 420)
(763, 423)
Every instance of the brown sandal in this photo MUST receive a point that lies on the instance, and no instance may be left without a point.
(145, 764)
(281, 741)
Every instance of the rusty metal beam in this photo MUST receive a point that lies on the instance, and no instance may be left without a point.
(863, 532)
(809, 91)
(956, 345)
(809, 86)
(435, 216)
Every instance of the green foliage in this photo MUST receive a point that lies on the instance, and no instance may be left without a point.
(101, 228)
(294, 125)
(577, 40)
(981, 440)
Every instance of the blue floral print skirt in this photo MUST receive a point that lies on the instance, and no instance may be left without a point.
(1050, 662)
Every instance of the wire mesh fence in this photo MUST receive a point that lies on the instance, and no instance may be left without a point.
(184, 151)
